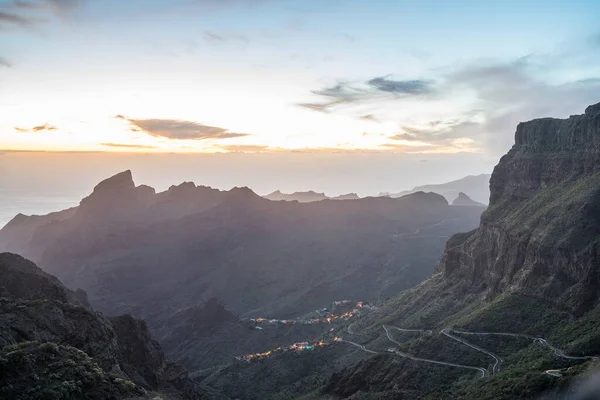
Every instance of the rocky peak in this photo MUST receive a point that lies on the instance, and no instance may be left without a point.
(116, 197)
(242, 193)
(348, 196)
(182, 187)
(464, 200)
(116, 183)
(547, 151)
(426, 199)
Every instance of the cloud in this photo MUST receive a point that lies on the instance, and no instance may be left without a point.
(45, 127)
(39, 128)
(178, 129)
(245, 148)
(55, 5)
(8, 18)
(29, 5)
(132, 146)
(5, 63)
(213, 37)
(401, 87)
(375, 89)
(369, 117)
(221, 38)
(64, 5)
(474, 107)
(513, 92)
(25, 14)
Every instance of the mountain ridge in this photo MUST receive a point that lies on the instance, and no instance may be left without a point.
(476, 186)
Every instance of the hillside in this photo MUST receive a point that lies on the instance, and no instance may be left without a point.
(52, 345)
(477, 187)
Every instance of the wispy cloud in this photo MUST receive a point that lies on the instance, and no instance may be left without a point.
(413, 87)
(245, 148)
(124, 145)
(221, 38)
(5, 63)
(39, 128)
(26, 14)
(493, 97)
(178, 129)
(509, 93)
(9, 18)
(369, 117)
(375, 89)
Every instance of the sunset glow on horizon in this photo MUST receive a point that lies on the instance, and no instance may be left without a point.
(196, 76)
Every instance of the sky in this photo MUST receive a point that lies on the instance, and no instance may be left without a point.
(413, 92)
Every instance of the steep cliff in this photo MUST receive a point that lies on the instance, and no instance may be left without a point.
(540, 235)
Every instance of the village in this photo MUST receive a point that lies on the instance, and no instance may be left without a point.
(324, 315)
(346, 309)
(296, 347)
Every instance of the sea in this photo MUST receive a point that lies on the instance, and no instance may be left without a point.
(12, 204)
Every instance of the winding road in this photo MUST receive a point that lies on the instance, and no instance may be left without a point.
(497, 359)
(450, 334)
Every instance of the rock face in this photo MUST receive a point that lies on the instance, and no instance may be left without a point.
(464, 200)
(141, 357)
(541, 233)
(36, 308)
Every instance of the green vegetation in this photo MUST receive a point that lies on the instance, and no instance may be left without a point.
(48, 371)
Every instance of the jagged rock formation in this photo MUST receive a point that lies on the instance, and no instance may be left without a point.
(302, 197)
(50, 324)
(307, 197)
(349, 196)
(541, 233)
(476, 185)
(464, 200)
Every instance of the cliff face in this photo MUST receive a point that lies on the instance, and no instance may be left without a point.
(541, 233)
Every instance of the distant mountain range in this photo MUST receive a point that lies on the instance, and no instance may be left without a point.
(477, 187)
(248, 251)
(307, 197)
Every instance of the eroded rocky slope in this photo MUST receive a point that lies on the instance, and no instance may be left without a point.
(541, 233)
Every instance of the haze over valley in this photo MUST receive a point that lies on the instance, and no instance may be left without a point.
(299, 200)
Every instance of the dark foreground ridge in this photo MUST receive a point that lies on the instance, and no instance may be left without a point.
(52, 345)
